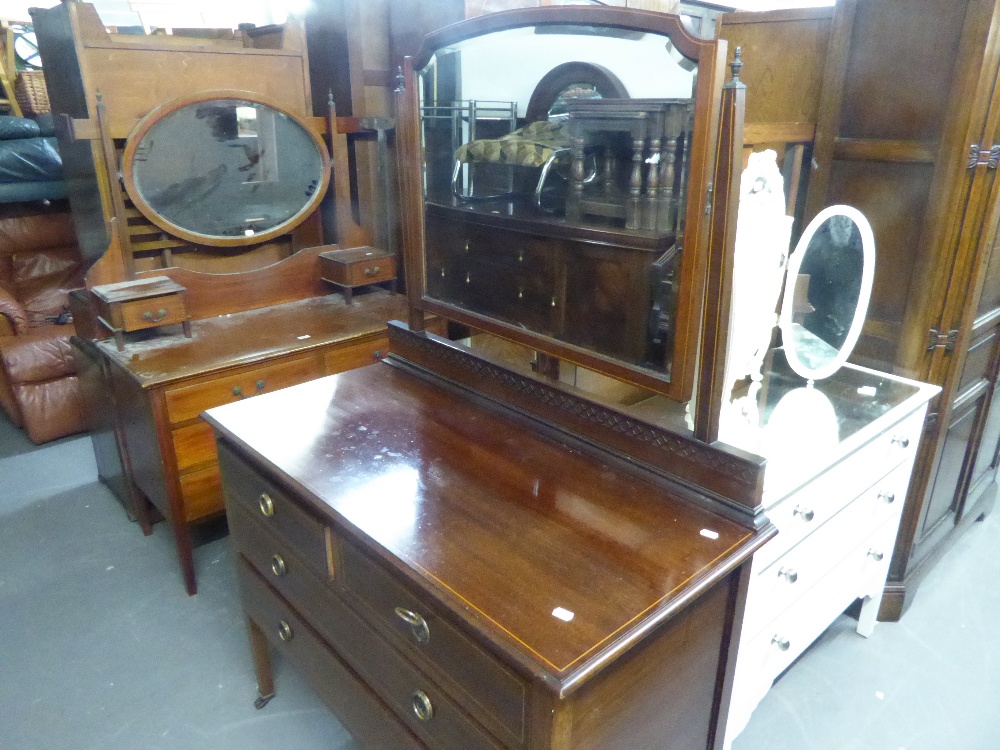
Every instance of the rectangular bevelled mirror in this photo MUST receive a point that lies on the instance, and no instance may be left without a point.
(563, 162)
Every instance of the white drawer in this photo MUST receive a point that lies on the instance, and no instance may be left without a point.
(779, 584)
(802, 512)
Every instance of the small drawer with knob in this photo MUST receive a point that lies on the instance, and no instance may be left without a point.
(249, 495)
(187, 402)
(357, 266)
(140, 304)
(487, 688)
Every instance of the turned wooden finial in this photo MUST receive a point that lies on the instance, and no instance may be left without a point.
(737, 65)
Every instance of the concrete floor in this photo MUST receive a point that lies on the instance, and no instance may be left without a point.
(101, 648)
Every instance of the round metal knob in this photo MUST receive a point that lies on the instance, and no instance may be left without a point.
(260, 385)
(875, 555)
(789, 574)
(278, 566)
(237, 391)
(783, 644)
(807, 514)
(887, 497)
(422, 706)
(902, 442)
(520, 293)
(266, 504)
(285, 631)
(418, 625)
(520, 256)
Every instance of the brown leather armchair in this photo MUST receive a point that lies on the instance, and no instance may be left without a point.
(39, 263)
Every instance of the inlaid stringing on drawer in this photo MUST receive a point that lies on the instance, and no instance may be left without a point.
(417, 699)
(273, 508)
(491, 686)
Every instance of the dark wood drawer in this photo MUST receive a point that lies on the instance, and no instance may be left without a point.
(399, 683)
(146, 313)
(271, 506)
(357, 707)
(477, 676)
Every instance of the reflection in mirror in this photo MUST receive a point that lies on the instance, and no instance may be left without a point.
(827, 290)
(555, 177)
(225, 169)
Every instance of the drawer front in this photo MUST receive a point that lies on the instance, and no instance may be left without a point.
(517, 252)
(404, 688)
(478, 676)
(862, 572)
(194, 445)
(272, 507)
(805, 510)
(358, 708)
(188, 402)
(786, 579)
(371, 271)
(202, 493)
(357, 355)
(158, 311)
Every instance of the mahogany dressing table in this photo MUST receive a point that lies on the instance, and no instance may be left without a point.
(459, 554)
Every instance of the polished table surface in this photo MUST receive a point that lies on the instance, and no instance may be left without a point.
(253, 336)
(482, 512)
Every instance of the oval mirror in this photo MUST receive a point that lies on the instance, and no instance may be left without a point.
(827, 289)
(224, 169)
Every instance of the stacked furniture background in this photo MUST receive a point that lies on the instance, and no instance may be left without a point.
(39, 262)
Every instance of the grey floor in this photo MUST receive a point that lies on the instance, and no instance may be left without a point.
(100, 647)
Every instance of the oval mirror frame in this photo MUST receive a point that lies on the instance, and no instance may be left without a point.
(165, 110)
(798, 365)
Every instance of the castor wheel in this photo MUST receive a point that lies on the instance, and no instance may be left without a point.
(262, 700)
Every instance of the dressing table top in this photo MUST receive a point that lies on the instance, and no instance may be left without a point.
(804, 428)
(259, 335)
(550, 551)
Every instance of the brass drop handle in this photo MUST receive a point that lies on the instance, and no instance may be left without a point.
(160, 315)
(266, 504)
(372, 271)
(285, 631)
(887, 497)
(875, 555)
(422, 706)
(418, 625)
(789, 574)
(783, 644)
(278, 566)
(807, 513)
(901, 441)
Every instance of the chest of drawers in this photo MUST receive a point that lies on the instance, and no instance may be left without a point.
(448, 578)
(837, 510)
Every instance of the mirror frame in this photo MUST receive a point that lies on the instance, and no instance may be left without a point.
(165, 110)
(864, 295)
(710, 56)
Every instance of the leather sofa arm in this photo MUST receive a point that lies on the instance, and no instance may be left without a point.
(12, 315)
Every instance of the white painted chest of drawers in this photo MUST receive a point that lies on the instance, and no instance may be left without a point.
(836, 499)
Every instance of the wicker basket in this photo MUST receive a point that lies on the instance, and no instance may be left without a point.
(31, 93)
